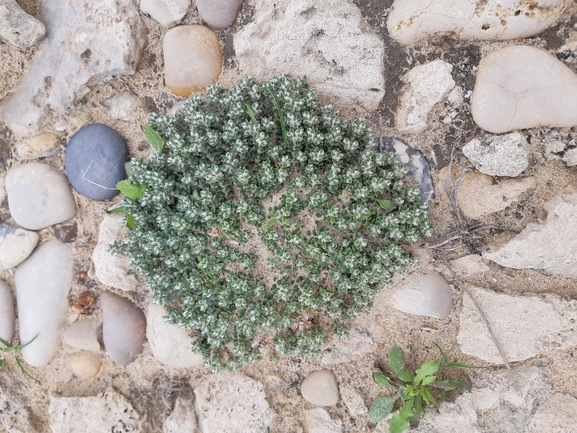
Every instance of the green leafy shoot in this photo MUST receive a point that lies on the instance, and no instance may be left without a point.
(130, 190)
(118, 209)
(154, 137)
(381, 408)
(11, 347)
(281, 117)
(251, 113)
(396, 360)
(381, 379)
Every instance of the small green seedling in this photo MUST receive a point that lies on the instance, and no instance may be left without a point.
(414, 390)
(11, 347)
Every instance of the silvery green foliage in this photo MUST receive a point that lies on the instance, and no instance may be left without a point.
(332, 238)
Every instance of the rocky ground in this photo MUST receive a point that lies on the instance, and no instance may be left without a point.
(504, 240)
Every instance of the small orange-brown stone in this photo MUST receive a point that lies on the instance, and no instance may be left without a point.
(192, 59)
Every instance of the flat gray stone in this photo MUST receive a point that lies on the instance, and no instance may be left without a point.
(321, 388)
(83, 334)
(39, 196)
(182, 419)
(17, 27)
(424, 294)
(16, 245)
(7, 318)
(219, 13)
(499, 155)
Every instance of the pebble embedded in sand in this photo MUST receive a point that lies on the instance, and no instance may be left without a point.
(85, 364)
(16, 245)
(219, 13)
(425, 294)
(499, 155)
(192, 59)
(522, 87)
(83, 335)
(321, 388)
(6, 313)
(41, 146)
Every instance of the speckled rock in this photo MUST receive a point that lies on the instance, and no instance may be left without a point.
(520, 87)
(570, 157)
(182, 419)
(41, 146)
(85, 364)
(15, 414)
(499, 155)
(16, 244)
(42, 285)
(17, 27)
(426, 294)
(165, 12)
(219, 13)
(39, 196)
(192, 59)
(169, 343)
(318, 420)
(470, 265)
(7, 318)
(95, 158)
(83, 335)
(321, 388)
(123, 328)
(125, 106)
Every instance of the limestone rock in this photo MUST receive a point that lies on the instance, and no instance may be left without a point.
(219, 13)
(15, 416)
(165, 12)
(169, 343)
(229, 402)
(570, 157)
(16, 244)
(123, 328)
(470, 265)
(324, 41)
(318, 420)
(502, 155)
(17, 27)
(353, 401)
(39, 196)
(85, 46)
(520, 87)
(192, 59)
(321, 388)
(125, 106)
(550, 247)
(357, 343)
(182, 419)
(425, 85)
(41, 146)
(107, 412)
(6, 313)
(85, 364)
(558, 414)
(412, 21)
(425, 294)
(513, 320)
(110, 269)
(83, 335)
(42, 285)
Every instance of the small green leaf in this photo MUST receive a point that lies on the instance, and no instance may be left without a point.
(428, 397)
(5, 343)
(24, 371)
(428, 380)
(404, 394)
(251, 113)
(398, 424)
(1, 363)
(405, 376)
(417, 409)
(385, 204)
(407, 409)
(428, 368)
(130, 222)
(381, 379)
(118, 209)
(381, 408)
(460, 364)
(154, 137)
(129, 168)
(396, 360)
(130, 190)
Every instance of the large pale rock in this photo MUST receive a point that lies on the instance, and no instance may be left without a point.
(42, 285)
(232, 403)
(84, 47)
(6, 313)
(550, 247)
(169, 343)
(17, 27)
(192, 59)
(39, 196)
(412, 21)
(165, 12)
(219, 13)
(321, 388)
(522, 87)
(324, 41)
(318, 420)
(558, 414)
(123, 328)
(110, 269)
(107, 412)
(502, 155)
(523, 326)
(182, 419)
(16, 244)
(426, 294)
(425, 85)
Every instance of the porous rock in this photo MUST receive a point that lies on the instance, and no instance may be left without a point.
(83, 335)
(321, 388)
(550, 247)
(318, 420)
(7, 317)
(165, 12)
(182, 419)
(520, 87)
(16, 244)
(219, 13)
(192, 59)
(85, 364)
(85, 46)
(123, 328)
(112, 270)
(17, 27)
(125, 106)
(426, 294)
(39, 196)
(324, 41)
(353, 401)
(425, 85)
(15, 415)
(95, 158)
(570, 157)
(107, 412)
(357, 343)
(40, 146)
(501, 155)
(514, 325)
(42, 285)
(229, 402)
(169, 343)
(412, 21)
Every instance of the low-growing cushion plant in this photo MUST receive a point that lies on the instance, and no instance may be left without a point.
(265, 218)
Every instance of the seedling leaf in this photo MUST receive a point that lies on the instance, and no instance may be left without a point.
(154, 137)
(397, 424)
(130, 222)
(251, 113)
(381, 408)
(381, 379)
(24, 371)
(118, 209)
(460, 364)
(407, 409)
(427, 369)
(417, 409)
(396, 360)
(405, 376)
(130, 190)
(428, 380)
(385, 204)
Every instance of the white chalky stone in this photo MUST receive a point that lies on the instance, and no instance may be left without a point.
(39, 196)
(501, 155)
(522, 87)
(42, 285)
(320, 388)
(165, 12)
(16, 244)
(6, 313)
(425, 294)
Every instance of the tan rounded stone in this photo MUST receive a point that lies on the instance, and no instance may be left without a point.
(85, 364)
(321, 388)
(40, 146)
(192, 59)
